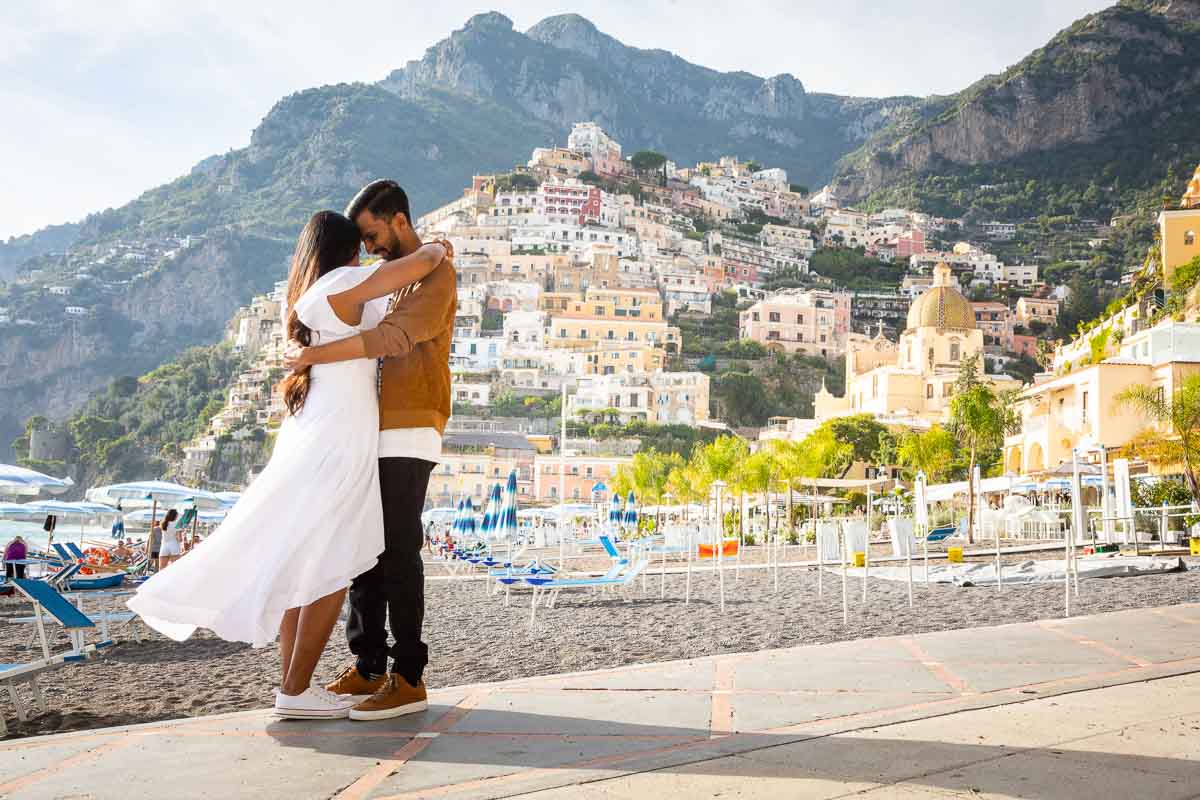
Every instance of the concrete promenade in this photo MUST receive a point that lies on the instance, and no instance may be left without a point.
(1089, 707)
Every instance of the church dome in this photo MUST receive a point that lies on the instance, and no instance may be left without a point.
(942, 306)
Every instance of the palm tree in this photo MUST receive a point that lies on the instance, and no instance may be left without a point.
(683, 482)
(979, 420)
(758, 473)
(1179, 414)
(718, 461)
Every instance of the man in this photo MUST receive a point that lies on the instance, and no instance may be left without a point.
(413, 342)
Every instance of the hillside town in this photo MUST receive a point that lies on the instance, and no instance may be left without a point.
(578, 269)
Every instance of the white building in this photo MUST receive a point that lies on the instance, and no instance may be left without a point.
(471, 394)
(588, 138)
(476, 353)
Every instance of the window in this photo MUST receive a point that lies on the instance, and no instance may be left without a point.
(772, 335)
(773, 316)
(946, 387)
(1189, 238)
(799, 319)
(929, 391)
(1083, 408)
(954, 351)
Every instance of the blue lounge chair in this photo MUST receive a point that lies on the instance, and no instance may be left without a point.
(621, 576)
(63, 574)
(74, 550)
(46, 600)
(941, 534)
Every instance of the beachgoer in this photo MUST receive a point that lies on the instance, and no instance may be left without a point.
(413, 342)
(154, 542)
(171, 544)
(313, 519)
(15, 551)
(118, 526)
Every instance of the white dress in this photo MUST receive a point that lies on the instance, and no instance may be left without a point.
(308, 524)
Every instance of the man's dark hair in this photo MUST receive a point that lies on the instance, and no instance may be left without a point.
(383, 198)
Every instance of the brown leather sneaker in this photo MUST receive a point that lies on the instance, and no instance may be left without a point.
(352, 682)
(395, 698)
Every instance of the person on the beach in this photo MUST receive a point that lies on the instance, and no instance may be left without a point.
(313, 519)
(171, 547)
(154, 543)
(413, 342)
(15, 551)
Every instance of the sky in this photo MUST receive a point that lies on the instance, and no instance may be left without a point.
(104, 100)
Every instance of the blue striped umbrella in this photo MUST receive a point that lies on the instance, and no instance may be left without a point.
(19, 480)
(158, 491)
(78, 510)
(631, 513)
(491, 514)
(506, 522)
(615, 515)
(468, 523)
(456, 527)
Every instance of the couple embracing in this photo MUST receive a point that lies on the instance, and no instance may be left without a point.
(339, 504)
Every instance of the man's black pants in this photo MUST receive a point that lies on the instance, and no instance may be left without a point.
(394, 589)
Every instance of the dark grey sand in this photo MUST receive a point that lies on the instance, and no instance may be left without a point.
(474, 638)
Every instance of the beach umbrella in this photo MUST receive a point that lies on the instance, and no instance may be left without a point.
(157, 492)
(80, 510)
(506, 520)
(228, 499)
(208, 517)
(468, 520)
(921, 525)
(491, 514)
(631, 513)
(12, 510)
(615, 515)
(16, 480)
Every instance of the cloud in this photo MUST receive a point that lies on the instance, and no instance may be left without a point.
(115, 97)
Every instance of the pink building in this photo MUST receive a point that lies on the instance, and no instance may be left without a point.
(814, 322)
(996, 322)
(910, 243)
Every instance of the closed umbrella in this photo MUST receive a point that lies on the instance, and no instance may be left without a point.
(491, 514)
(921, 524)
(631, 511)
(506, 525)
(615, 515)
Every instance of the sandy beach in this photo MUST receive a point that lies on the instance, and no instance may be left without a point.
(475, 638)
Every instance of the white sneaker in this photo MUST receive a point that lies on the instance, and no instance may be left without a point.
(313, 703)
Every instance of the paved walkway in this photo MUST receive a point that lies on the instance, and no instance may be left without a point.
(1101, 706)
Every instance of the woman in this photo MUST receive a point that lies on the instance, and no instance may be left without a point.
(15, 551)
(171, 547)
(312, 520)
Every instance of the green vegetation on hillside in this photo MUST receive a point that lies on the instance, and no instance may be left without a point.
(131, 429)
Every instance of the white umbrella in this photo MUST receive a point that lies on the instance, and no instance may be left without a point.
(16, 480)
(207, 517)
(921, 524)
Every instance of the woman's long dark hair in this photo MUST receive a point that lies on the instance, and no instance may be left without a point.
(168, 518)
(328, 241)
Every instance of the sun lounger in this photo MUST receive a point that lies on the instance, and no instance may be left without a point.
(46, 601)
(548, 588)
(74, 550)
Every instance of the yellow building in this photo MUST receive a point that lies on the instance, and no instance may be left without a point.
(1178, 229)
(912, 379)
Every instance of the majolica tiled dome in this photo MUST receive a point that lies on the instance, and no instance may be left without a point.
(942, 306)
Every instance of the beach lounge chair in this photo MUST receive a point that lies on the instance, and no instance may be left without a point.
(74, 550)
(547, 588)
(46, 601)
(63, 574)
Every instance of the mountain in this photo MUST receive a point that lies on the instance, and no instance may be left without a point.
(564, 70)
(478, 101)
(1099, 120)
(19, 249)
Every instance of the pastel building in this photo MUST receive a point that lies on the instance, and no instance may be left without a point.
(814, 322)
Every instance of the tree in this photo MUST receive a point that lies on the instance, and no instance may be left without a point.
(979, 420)
(931, 452)
(718, 461)
(759, 473)
(647, 475)
(863, 433)
(644, 161)
(1179, 414)
(684, 482)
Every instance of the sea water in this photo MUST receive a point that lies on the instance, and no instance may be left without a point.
(37, 539)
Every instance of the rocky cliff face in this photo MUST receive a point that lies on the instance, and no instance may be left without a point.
(563, 70)
(1134, 64)
(186, 302)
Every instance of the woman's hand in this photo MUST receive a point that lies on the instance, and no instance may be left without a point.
(297, 356)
